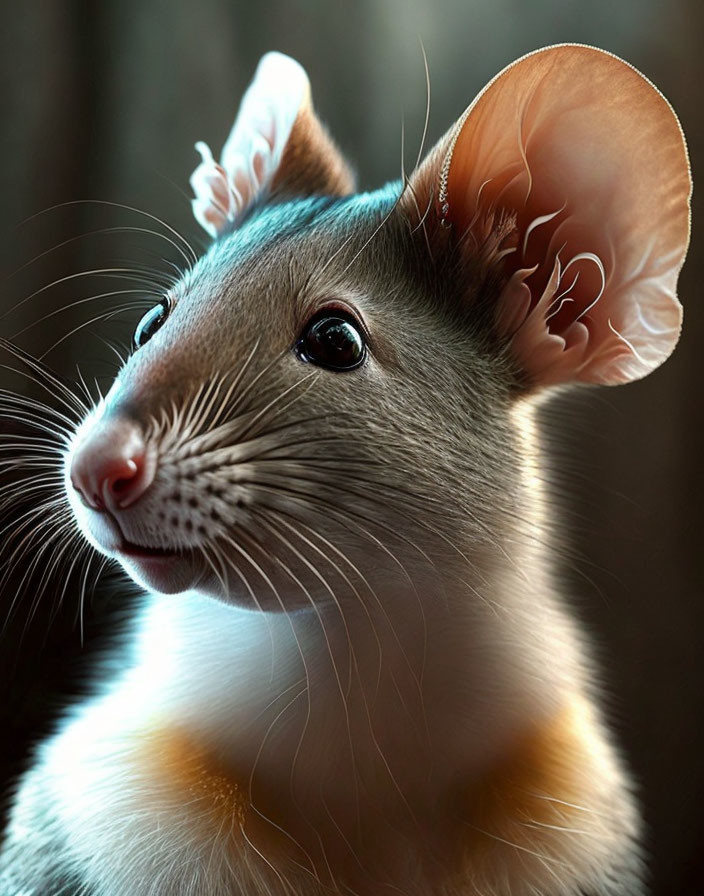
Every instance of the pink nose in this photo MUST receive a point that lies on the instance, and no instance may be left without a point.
(110, 469)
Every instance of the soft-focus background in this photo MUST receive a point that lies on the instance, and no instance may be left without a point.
(104, 100)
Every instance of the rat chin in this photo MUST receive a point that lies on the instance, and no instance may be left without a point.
(163, 572)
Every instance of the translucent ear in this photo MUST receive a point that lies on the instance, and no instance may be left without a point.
(276, 146)
(578, 167)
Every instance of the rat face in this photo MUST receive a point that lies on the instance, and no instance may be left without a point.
(332, 383)
(280, 410)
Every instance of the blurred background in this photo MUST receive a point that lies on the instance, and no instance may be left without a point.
(104, 101)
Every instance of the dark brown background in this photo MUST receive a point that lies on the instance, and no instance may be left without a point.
(104, 100)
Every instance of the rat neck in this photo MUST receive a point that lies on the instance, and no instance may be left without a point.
(414, 680)
(374, 730)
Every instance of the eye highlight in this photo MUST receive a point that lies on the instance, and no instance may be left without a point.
(150, 323)
(332, 339)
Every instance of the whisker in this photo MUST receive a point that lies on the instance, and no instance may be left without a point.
(110, 273)
(124, 207)
(50, 530)
(106, 315)
(45, 378)
(427, 107)
(63, 308)
(345, 559)
(261, 415)
(296, 533)
(251, 562)
(306, 592)
(98, 232)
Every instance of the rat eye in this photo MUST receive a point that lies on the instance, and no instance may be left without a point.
(150, 323)
(332, 339)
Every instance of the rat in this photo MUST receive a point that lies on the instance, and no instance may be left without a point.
(355, 670)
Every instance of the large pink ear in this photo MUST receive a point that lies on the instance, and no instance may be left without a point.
(575, 166)
(277, 147)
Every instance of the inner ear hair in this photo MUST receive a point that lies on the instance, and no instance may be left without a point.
(590, 159)
(473, 257)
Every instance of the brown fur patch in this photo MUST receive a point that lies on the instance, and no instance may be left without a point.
(532, 822)
(195, 780)
(193, 773)
(534, 816)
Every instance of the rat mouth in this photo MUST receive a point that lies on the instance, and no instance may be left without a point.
(160, 570)
(144, 552)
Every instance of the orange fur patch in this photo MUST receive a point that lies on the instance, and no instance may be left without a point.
(188, 767)
(533, 811)
(528, 823)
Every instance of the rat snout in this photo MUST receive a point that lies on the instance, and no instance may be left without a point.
(111, 468)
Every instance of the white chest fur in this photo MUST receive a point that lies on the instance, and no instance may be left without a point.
(207, 769)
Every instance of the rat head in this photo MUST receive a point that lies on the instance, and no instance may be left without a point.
(330, 388)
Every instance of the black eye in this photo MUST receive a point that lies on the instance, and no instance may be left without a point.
(332, 339)
(150, 323)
